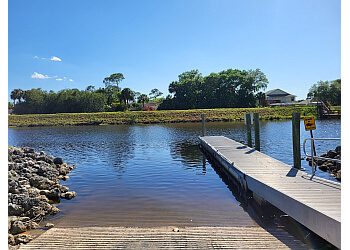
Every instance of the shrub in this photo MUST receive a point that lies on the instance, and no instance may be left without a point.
(147, 108)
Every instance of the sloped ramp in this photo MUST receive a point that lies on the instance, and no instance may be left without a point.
(165, 238)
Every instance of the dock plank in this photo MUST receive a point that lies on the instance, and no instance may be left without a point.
(312, 201)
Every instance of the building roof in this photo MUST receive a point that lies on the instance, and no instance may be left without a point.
(277, 93)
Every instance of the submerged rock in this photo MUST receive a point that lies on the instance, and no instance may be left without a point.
(33, 181)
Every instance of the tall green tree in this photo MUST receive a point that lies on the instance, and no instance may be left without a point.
(186, 89)
(17, 94)
(326, 91)
(127, 95)
(227, 89)
(155, 93)
(113, 79)
(142, 99)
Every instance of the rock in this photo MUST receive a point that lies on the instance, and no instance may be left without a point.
(54, 194)
(14, 209)
(65, 178)
(338, 175)
(319, 162)
(68, 195)
(323, 167)
(41, 182)
(10, 220)
(18, 227)
(17, 151)
(64, 189)
(11, 239)
(49, 225)
(338, 150)
(33, 179)
(24, 219)
(54, 210)
(23, 238)
(35, 211)
(331, 154)
(28, 150)
(30, 202)
(58, 160)
(32, 225)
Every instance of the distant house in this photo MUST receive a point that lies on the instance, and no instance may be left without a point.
(154, 105)
(279, 96)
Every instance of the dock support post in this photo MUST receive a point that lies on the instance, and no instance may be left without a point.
(203, 125)
(257, 131)
(296, 139)
(249, 130)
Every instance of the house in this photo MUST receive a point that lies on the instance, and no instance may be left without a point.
(154, 105)
(279, 96)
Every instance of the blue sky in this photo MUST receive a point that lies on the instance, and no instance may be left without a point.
(73, 44)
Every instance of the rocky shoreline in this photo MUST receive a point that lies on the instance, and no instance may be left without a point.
(33, 187)
(331, 167)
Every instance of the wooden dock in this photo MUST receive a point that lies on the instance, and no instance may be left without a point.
(314, 202)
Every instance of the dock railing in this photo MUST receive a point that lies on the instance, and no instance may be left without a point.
(313, 156)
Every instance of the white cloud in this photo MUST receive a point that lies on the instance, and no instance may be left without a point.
(71, 80)
(59, 79)
(55, 76)
(39, 76)
(36, 57)
(55, 58)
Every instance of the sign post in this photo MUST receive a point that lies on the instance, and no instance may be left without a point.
(309, 123)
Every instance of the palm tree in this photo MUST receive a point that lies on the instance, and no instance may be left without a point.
(17, 94)
(143, 98)
(261, 98)
(127, 95)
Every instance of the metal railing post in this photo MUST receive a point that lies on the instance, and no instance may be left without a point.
(312, 158)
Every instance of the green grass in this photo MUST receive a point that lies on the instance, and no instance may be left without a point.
(163, 116)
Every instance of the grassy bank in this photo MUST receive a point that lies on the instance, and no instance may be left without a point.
(164, 116)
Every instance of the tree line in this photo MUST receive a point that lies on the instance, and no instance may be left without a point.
(109, 98)
(326, 91)
(230, 88)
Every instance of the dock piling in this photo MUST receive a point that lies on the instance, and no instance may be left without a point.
(249, 130)
(257, 131)
(203, 125)
(296, 140)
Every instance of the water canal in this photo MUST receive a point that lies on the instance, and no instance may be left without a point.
(155, 175)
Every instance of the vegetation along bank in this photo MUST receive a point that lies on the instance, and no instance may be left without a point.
(158, 116)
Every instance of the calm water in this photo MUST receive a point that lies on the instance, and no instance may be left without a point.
(154, 175)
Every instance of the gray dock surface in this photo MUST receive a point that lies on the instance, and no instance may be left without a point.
(313, 202)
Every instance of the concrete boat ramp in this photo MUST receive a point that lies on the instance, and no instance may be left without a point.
(165, 238)
(314, 202)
